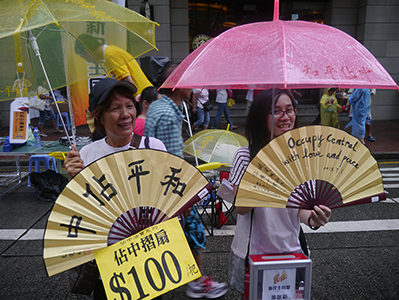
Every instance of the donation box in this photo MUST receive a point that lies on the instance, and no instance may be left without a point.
(279, 277)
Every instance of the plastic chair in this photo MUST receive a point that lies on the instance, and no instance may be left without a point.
(37, 159)
(66, 120)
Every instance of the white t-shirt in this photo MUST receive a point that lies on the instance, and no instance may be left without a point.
(250, 95)
(203, 96)
(221, 96)
(274, 230)
(100, 148)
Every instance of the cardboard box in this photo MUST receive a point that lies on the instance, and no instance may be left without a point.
(281, 276)
(63, 107)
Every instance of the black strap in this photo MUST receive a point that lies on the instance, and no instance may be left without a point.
(136, 140)
(147, 142)
(249, 242)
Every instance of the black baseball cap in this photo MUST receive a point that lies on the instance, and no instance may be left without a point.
(100, 92)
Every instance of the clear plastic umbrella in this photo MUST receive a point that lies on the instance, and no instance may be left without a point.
(38, 38)
(215, 145)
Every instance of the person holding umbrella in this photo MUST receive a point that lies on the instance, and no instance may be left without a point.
(267, 230)
(112, 104)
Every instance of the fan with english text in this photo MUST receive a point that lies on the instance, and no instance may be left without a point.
(115, 197)
(309, 166)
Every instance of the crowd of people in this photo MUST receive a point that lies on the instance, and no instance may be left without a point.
(120, 115)
(356, 102)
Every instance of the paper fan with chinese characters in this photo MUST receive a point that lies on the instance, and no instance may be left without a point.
(310, 166)
(115, 197)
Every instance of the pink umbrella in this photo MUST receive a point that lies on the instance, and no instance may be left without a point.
(281, 54)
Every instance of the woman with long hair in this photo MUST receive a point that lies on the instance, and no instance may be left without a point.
(267, 230)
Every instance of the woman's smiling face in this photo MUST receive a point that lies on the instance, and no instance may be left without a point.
(119, 119)
(285, 122)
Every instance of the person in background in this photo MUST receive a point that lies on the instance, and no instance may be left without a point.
(123, 65)
(164, 121)
(360, 105)
(48, 112)
(221, 100)
(199, 98)
(164, 118)
(267, 230)
(369, 118)
(249, 97)
(113, 108)
(329, 108)
(148, 95)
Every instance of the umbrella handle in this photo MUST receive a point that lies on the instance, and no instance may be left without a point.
(210, 166)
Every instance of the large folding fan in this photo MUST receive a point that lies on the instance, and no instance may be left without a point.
(309, 166)
(115, 197)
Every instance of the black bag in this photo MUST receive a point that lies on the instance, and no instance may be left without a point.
(83, 278)
(48, 184)
(208, 105)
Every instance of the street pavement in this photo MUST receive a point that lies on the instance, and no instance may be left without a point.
(355, 256)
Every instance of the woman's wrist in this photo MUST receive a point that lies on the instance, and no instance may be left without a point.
(310, 225)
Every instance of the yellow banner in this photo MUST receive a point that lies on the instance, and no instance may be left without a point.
(147, 264)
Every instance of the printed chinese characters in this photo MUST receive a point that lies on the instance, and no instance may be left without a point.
(344, 71)
(146, 243)
(179, 187)
(75, 220)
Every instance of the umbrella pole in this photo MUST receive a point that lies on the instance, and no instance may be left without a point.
(35, 47)
(189, 127)
(273, 102)
(71, 116)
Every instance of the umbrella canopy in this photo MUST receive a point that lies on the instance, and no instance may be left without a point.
(215, 145)
(281, 54)
(55, 25)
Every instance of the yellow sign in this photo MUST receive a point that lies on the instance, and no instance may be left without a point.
(19, 129)
(147, 264)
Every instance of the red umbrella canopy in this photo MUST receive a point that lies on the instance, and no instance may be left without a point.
(281, 54)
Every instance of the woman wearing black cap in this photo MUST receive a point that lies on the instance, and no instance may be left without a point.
(113, 109)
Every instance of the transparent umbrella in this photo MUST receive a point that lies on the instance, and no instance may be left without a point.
(215, 145)
(38, 38)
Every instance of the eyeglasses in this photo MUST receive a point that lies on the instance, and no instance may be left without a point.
(278, 113)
